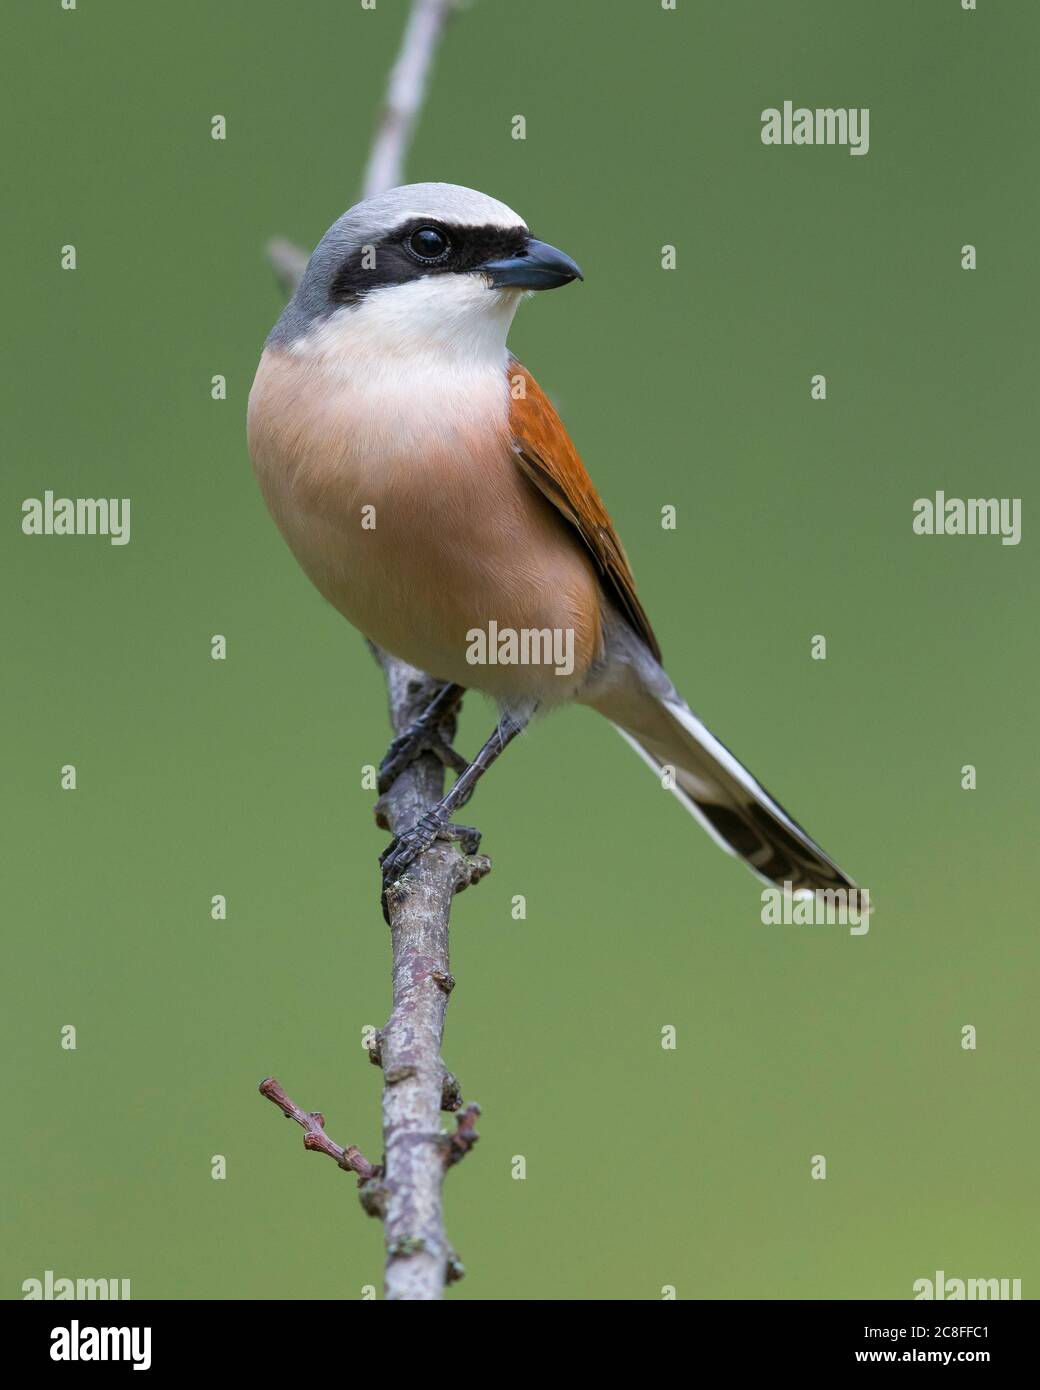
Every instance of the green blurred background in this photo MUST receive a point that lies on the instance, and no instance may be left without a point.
(645, 1167)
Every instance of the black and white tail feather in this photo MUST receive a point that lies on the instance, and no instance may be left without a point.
(735, 809)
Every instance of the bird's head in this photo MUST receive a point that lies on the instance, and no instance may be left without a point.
(428, 267)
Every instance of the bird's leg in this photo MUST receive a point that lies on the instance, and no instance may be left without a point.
(405, 848)
(426, 734)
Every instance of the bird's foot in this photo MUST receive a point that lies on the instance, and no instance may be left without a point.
(422, 736)
(404, 849)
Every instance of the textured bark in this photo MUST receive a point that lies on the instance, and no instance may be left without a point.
(415, 1081)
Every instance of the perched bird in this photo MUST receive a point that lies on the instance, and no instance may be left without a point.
(430, 491)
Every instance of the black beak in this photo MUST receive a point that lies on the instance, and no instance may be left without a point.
(538, 267)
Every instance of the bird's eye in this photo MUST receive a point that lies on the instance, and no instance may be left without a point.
(428, 243)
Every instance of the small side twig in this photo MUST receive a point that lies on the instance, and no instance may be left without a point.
(455, 1147)
(288, 261)
(313, 1121)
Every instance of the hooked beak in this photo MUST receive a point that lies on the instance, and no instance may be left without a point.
(539, 267)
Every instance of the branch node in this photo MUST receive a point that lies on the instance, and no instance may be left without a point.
(455, 1269)
(443, 980)
(471, 871)
(397, 1074)
(397, 891)
(451, 1093)
(373, 1194)
(375, 1049)
(406, 1245)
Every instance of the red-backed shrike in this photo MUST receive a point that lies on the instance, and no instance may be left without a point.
(430, 491)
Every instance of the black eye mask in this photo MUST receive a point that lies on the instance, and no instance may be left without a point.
(397, 263)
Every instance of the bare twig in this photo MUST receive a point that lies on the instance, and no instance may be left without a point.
(288, 262)
(313, 1121)
(404, 95)
(455, 1147)
(416, 1083)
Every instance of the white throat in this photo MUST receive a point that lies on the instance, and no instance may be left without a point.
(413, 367)
(446, 323)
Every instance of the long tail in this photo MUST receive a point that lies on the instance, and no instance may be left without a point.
(736, 810)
